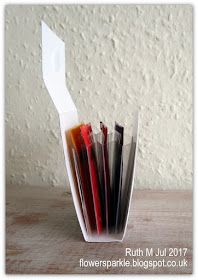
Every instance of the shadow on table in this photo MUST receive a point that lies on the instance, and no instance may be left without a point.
(62, 218)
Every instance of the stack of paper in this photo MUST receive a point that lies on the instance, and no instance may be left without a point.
(102, 170)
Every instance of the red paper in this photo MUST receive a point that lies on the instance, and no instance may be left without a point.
(86, 132)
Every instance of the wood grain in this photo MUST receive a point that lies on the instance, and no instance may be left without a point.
(43, 235)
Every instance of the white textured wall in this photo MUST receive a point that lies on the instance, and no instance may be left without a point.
(119, 58)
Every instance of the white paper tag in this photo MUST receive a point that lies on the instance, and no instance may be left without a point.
(53, 66)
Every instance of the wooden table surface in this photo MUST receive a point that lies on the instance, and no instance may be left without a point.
(43, 235)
